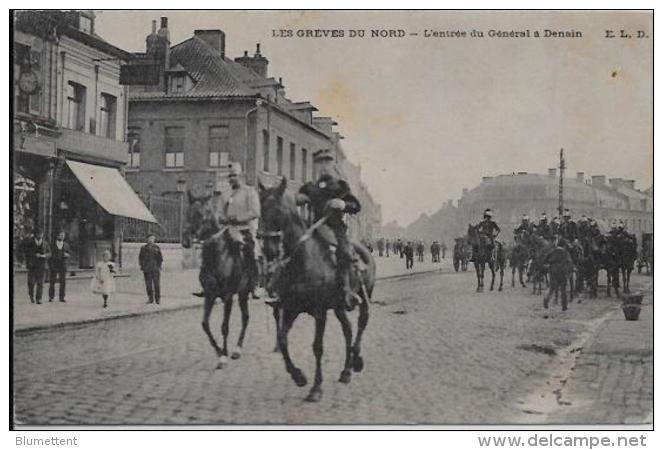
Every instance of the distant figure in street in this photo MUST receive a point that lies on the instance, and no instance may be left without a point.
(104, 282)
(560, 265)
(37, 252)
(380, 245)
(444, 249)
(150, 260)
(420, 251)
(58, 263)
(408, 251)
(387, 246)
(435, 252)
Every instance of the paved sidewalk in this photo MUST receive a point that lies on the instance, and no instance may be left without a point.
(176, 287)
(613, 379)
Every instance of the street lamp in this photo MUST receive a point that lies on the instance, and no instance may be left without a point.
(181, 188)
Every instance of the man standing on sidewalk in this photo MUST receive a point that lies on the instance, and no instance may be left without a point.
(150, 260)
(37, 253)
(58, 263)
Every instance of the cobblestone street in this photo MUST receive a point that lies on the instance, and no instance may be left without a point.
(435, 352)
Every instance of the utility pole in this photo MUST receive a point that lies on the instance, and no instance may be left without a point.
(562, 166)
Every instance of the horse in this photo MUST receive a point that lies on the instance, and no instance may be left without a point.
(307, 283)
(607, 258)
(627, 255)
(223, 272)
(518, 261)
(482, 255)
(539, 248)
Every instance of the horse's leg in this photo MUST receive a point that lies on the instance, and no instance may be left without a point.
(316, 391)
(208, 306)
(276, 312)
(362, 321)
(244, 309)
(478, 273)
(520, 275)
(501, 277)
(287, 318)
(227, 309)
(565, 304)
(491, 266)
(513, 276)
(347, 334)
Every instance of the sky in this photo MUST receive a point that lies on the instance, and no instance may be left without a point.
(426, 117)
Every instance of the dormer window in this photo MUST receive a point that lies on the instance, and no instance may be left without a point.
(86, 23)
(178, 83)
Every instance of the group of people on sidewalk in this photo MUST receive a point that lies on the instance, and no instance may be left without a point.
(42, 259)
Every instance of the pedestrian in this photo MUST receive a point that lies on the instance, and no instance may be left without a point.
(37, 252)
(150, 261)
(408, 252)
(444, 251)
(58, 262)
(104, 282)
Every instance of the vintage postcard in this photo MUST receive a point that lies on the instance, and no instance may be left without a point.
(317, 218)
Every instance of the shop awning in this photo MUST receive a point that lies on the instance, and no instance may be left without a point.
(111, 191)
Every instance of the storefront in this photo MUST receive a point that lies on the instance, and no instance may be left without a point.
(90, 202)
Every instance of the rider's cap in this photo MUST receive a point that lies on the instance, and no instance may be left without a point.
(488, 212)
(621, 224)
(235, 168)
(567, 213)
(323, 155)
(583, 218)
(525, 217)
(543, 216)
(613, 224)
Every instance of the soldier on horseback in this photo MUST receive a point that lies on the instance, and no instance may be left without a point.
(568, 229)
(330, 196)
(489, 229)
(239, 210)
(522, 232)
(543, 228)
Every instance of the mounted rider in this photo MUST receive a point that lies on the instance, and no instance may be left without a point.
(330, 196)
(523, 231)
(583, 227)
(568, 229)
(488, 228)
(543, 228)
(239, 210)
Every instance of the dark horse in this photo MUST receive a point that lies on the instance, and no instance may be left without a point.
(223, 271)
(482, 255)
(306, 283)
(519, 256)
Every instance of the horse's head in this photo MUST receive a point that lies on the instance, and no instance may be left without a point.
(276, 209)
(200, 222)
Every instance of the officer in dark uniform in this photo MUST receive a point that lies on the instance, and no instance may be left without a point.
(568, 228)
(331, 196)
(37, 252)
(583, 228)
(488, 228)
(543, 228)
(524, 229)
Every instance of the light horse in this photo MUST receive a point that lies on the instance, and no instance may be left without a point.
(482, 255)
(306, 283)
(223, 272)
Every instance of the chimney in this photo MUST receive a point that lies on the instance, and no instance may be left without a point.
(598, 180)
(630, 184)
(552, 173)
(214, 38)
(580, 176)
(257, 62)
(163, 31)
(616, 182)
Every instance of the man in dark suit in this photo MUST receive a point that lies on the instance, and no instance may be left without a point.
(58, 263)
(37, 253)
(150, 260)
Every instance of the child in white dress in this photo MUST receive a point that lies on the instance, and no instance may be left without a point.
(104, 281)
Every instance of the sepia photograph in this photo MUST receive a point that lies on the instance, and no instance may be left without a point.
(331, 218)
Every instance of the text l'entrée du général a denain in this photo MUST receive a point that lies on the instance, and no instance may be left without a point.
(377, 33)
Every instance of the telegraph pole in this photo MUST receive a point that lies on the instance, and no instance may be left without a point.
(562, 166)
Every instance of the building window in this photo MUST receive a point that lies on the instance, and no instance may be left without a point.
(304, 165)
(177, 83)
(76, 106)
(265, 150)
(218, 146)
(133, 138)
(108, 113)
(174, 146)
(85, 24)
(279, 156)
(292, 161)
